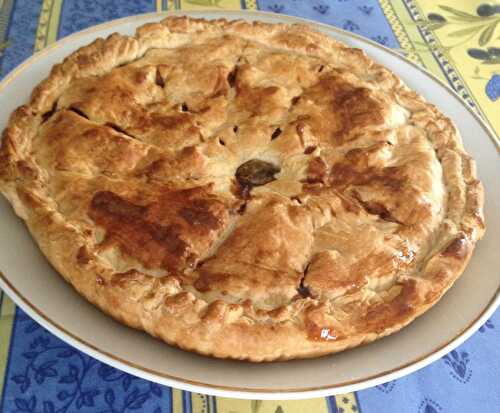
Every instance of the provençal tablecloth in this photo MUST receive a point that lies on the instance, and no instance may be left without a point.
(457, 40)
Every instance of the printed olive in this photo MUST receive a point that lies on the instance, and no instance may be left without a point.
(434, 17)
(485, 10)
(478, 54)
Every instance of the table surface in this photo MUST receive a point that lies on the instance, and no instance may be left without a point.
(457, 40)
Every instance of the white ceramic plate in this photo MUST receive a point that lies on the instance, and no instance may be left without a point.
(42, 293)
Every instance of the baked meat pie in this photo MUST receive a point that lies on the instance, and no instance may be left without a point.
(243, 190)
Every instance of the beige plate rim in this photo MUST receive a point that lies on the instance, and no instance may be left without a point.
(234, 391)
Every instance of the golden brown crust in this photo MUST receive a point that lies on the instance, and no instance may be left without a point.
(243, 190)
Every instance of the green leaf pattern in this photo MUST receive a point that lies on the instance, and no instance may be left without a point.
(255, 405)
(487, 34)
(484, 26)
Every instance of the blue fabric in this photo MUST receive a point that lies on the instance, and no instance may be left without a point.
(47, 375)
(78, 15)
(364, 17)
(21, 33)
(465, 380)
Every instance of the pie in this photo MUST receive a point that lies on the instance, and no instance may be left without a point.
(243, 190)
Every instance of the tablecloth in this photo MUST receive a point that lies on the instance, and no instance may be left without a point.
(457, 40)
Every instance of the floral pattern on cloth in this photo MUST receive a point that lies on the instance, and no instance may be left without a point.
(364, 17)
(77, 15)
(19, 46)
(47, 375)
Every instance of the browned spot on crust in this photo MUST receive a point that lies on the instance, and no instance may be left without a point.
(379, 316)
(113, 205)
(255, 99)
(376, 208)
(359, 109)
(26, 170)
(207, 278)
(316, 170)
(349, 205)
(159, 234)
(178, 301)
(199, 215)
(354, 171)
(309, 150)
(458, 248)
(82, 256)
(141, 77)
(279, 313)
(123, 278)
(170, 121)
(348, 106)
(215, 311)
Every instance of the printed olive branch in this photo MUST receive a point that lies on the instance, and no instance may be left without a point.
(463, 16)
(487, 30)
(483, 24)
(79, 381)
(256, 405)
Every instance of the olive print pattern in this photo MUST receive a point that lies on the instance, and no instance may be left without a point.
(481, 28)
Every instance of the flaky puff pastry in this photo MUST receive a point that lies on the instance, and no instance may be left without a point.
(243, 190)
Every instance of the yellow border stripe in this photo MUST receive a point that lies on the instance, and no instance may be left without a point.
(199, 403)
(209, 4)
(48, 23)
(5, 14)
(54, 22)
(418, 43)
(399, 30)
(251, 4)
(457, 75)
(347, 402)
(177, 401)
(162, 5)
(43, 20)
(225, 405)
(7, 312)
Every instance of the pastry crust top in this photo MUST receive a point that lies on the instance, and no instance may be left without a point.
(245, 190)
